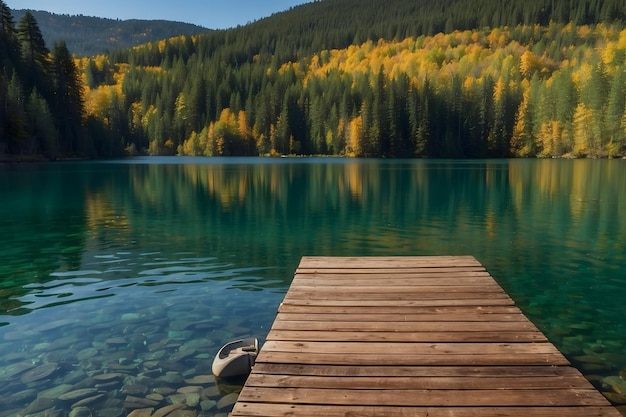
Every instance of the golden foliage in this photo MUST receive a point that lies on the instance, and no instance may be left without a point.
(355, 136)
(474, 60)
(583, 133)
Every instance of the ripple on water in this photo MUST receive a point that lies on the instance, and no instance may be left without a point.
(103, 340)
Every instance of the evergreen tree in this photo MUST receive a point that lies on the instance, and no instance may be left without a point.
(9, 46)
(15, 123)
(69, 106)
(43, 136)
(379, 128)
(34, 55)
(3, 114)
(616, 109)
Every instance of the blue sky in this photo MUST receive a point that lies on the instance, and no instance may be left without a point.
(213, 14)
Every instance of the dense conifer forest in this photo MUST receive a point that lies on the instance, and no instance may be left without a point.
(393, 78)
(42, 109)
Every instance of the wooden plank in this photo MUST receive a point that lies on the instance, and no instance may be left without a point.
(431, 275)
(401, 349)
(435, 398)
(391, 290)
(243, 409)
(394, 295)
(401, 303)
(507, 372)
(398, 271)
(393, 309)
(454, 317)
(409, 336)
(412, 359)
(360, 336)
(378, 262)
(374, 326)
(416, 383)
(420, 280)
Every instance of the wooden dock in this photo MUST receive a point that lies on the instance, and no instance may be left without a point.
(409, 336)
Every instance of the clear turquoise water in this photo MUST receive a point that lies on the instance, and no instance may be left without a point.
(143, 258)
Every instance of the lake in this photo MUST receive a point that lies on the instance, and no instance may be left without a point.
(120, 280)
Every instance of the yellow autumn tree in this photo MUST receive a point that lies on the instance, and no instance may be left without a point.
(529, 63)
(549, 138)
(355, 137)
(522, 141)
(583, 132)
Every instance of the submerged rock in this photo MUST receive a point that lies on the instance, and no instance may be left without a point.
(39, 372)
(201, 380)
(213, 391)
(615, 398)
(171, 378)
(78, 394)
(177, 399)
(15, 369)
(182, 354)
(116, 341)
(138, 402)
(189, 389)
(88, 401)
(178, 325)
(80, 412)
(164, 390)
(179, 334)
(144, 412)
(55, 392)
(111, 412)
(616, 384)
(50, 412)
(227, 401)
(192, 399)
(131, 316)
(183, 413)
(134, 389)
(109, 376)
(155, 397)
(208, 405)
(87, 353)
(24, 396)
(172, 366)
(40, 404)
(165, 411)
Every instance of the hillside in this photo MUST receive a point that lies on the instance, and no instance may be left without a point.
(386, 78)
(87, 36)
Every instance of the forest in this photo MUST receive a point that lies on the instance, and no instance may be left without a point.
(42, 113)
(395, 78)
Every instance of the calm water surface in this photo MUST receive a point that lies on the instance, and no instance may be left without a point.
(120, 280)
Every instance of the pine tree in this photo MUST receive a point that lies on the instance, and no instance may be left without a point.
(282, 133)
(34, 55)
(69, 105)
(379, 128)
(44, 137)
(499, 135)
(616, 109)
(9, 46)
(15, 124)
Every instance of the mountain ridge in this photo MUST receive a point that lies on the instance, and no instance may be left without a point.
(91, 35)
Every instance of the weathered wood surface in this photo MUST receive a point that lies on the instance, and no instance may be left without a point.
(409, 336)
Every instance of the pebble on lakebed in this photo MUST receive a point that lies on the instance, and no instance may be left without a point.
(116, 363)
(113, 377)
